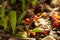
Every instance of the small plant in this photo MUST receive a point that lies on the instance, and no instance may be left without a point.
(4, 19)
(23, 12)
(33, 2)
(12, 16)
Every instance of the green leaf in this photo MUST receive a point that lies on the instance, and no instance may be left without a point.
(1, 23)
(5, 22)
(13, 1)
(4, 19)
(12, 16)
(37, 30)
(23, 5)
(3, 10)
(28, 34)
(21, 35)
(33, 2)
(20, 18)
(23, 13)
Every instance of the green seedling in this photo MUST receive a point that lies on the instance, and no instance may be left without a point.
(12, 16)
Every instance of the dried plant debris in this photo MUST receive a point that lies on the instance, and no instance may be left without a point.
(49, 38)
(30, 19)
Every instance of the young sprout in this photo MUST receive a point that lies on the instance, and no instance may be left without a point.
(35, 18)
(4, 19)
(12, 17)
(33, 2)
